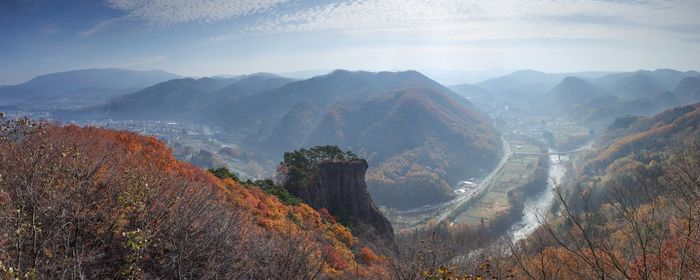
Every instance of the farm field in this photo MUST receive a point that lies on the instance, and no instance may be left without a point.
(515, 173)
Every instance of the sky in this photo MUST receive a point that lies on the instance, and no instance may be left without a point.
(212, 37)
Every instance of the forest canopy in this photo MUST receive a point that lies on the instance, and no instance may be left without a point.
(298, 166)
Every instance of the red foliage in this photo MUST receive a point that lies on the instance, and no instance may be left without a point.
(368, 256)
(135, 185)
(327, 217)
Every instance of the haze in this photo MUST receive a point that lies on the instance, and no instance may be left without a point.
(450, 41)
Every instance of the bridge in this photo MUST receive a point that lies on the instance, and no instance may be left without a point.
(557, 153)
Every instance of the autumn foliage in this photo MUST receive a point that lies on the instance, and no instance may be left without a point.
(96, 203)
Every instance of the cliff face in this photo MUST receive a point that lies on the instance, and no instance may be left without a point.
(340, 188)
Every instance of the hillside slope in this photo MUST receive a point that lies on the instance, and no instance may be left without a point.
(419, 142)
(418, 136)
(79, 87)
(629, 210)
(112, 204)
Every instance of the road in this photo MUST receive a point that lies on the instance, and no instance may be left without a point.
(447, 208)
(482, 188)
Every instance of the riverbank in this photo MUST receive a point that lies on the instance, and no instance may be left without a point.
(537, 205)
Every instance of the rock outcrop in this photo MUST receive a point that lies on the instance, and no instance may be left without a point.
(340, 188)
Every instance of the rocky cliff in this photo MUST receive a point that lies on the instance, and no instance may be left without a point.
(340, 188)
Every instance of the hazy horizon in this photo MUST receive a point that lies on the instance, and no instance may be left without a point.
(193, 38)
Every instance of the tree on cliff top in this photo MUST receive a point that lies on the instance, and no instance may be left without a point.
(297, 166)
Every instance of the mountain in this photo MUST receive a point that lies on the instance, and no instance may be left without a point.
(667, 99)
(471, 91)
(573, 90)
(615, 95)
(669, 78)
(339, 187)
(80, 87)
(689, 88)
(666, 78)
(526, 85)
(269, 107)
(171, 100)
(136, 212)
(481, 97)
(641, 173)
(636, 85)
(365, 111)
(643, 83)
(669, 129)
(247, 85)
(418, 136)
(521, 85)
(435, 142)
(181, 99)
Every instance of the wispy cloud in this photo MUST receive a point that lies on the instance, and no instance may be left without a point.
(453, 19)
(170, 12)
(484, 19)
(99, 27)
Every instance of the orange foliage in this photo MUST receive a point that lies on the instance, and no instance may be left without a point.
(134, 155)
(368, 256)
(327, 217)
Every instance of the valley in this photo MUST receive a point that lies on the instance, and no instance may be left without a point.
(537, 205)
(485, 199)
(427, 179)
(482, 173)
(353, 139)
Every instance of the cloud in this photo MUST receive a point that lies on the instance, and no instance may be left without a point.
(492, 19)
(170, 12)
(99, 27)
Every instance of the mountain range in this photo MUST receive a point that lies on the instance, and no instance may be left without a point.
(587, 96)
(418, 136)
(78, 88)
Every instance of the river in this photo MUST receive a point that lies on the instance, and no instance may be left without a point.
(537, 205)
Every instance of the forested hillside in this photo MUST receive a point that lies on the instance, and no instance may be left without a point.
(97, 203)
(630, 210)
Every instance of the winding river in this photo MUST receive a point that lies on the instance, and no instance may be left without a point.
(537, 205)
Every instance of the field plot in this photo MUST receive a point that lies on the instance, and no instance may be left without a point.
(515, 173)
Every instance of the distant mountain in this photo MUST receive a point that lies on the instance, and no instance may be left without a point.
(605, 98)
(666, 79)
(609, 107)
(79, 87)
(181, 99)
(435, 142)
(272, 107)
(470, 91)
(174, 99)
(521, 85)
(636, 85)
(476, 94)
(419, 142)
(418, 136)
(643, 83)
(572, 91)
(689, 88)
(669, 78)
(666, 99)
(526, 85)
(253, 83)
